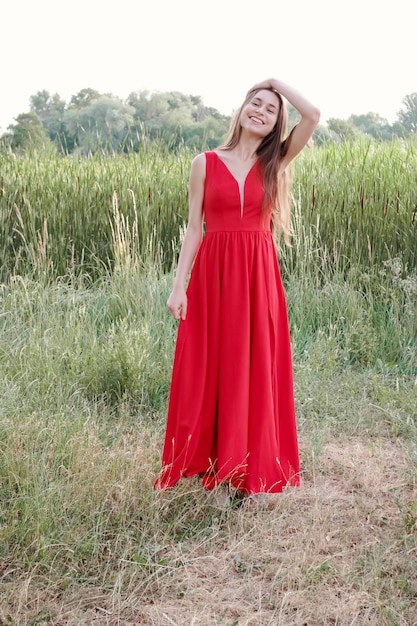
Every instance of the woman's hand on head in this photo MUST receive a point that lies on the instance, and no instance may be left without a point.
(264, 84)
(177, 303)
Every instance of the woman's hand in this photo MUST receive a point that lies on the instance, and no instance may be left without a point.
(265, 84)
(177, 303)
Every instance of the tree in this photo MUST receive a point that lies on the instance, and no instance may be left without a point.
(205, 135)
(370, 124)
(28, 133)
(83, 98)
(321, 135)
(376, 126)
(344, 129)
(50, 109)
(408, 115)
(149, 108)
(176, 118)
(102, 124)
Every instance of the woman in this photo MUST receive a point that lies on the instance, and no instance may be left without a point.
(231, 416)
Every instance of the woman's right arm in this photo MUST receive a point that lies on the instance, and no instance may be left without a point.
(177, 301)
(310, 116)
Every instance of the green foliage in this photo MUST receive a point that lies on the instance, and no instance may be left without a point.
(93, 122)
(408, 114)
(114, 225)
(101, 124)
(56, 211)
(50, 109)
(356, 203)
(369, 318)
(83, 98)
(74, 343)
(369, 125)
(344, 129)
(177, 119)
(375, 126)
(28, 134)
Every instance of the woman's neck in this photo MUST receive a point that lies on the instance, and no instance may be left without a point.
(247, 148)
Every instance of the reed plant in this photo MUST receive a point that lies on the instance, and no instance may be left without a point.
(360, 199)
(56, 211)
(357, 204)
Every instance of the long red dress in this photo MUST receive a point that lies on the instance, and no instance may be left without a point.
(231, 415)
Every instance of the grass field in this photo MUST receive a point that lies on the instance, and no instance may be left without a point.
(85, 356)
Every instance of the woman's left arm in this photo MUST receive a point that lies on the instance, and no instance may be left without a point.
(310, 116)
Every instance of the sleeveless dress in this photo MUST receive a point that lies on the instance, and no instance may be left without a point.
(231, 415)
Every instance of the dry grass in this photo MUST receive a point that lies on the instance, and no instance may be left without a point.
(340, 550)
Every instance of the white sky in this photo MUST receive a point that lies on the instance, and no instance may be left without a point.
(348, 57)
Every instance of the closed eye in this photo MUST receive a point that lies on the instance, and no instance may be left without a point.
(271, 109)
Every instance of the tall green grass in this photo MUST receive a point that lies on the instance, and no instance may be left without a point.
(357, 204)
(56, 212)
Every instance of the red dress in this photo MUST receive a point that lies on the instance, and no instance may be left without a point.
(231, 415)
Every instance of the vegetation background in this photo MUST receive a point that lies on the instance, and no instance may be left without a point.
(94, 122)
(89, 240)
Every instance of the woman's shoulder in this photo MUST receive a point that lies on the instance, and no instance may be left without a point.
(207, 154)
(208, 158)
(201, 160)
(198, 166)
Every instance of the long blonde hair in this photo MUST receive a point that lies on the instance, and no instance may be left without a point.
(270, 153)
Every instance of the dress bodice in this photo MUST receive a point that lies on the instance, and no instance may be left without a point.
(228, 207)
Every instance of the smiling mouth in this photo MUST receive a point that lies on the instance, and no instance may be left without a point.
(253, 118)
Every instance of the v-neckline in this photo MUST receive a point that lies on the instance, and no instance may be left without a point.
(241, 186)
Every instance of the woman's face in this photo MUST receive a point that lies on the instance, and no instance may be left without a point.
(260, 114)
